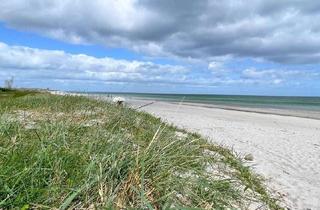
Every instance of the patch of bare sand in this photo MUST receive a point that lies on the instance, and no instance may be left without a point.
(285, 149)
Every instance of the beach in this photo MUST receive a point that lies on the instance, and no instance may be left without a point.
(285, 147)
(93, 146)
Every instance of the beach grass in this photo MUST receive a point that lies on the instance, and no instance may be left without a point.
(6, 93)
(71, 152)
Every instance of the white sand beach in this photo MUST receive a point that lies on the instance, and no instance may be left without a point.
(286, 149)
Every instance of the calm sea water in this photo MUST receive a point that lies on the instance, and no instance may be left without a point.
(276, 102)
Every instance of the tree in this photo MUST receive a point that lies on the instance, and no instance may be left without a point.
(9, 83)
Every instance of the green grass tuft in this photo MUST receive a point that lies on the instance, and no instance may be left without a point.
(73, 152)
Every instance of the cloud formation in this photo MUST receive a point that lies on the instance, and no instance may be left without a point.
(31, 63)
(52, 66)
(286, 31)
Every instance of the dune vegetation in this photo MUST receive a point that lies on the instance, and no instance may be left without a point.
(71, 152)
(6, 93)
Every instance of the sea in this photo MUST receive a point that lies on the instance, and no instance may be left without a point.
(244, 101)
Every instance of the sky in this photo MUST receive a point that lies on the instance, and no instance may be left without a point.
(246, 47)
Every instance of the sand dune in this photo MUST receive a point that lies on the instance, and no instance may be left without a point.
(286, 149)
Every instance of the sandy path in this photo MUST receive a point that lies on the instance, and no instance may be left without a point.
(286, 149)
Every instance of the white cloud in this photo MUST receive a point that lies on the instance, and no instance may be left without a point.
(25, 62)
(253, 73)
(280, 76)
(262, 74)
(37, 66)
(277, 81)
(284, 31)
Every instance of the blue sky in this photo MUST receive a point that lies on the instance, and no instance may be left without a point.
(145, 46)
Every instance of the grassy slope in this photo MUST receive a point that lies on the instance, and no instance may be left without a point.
(8, 93)
(73, 152)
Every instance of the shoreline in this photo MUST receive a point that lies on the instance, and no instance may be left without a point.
(270, 111)
(301, 113)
